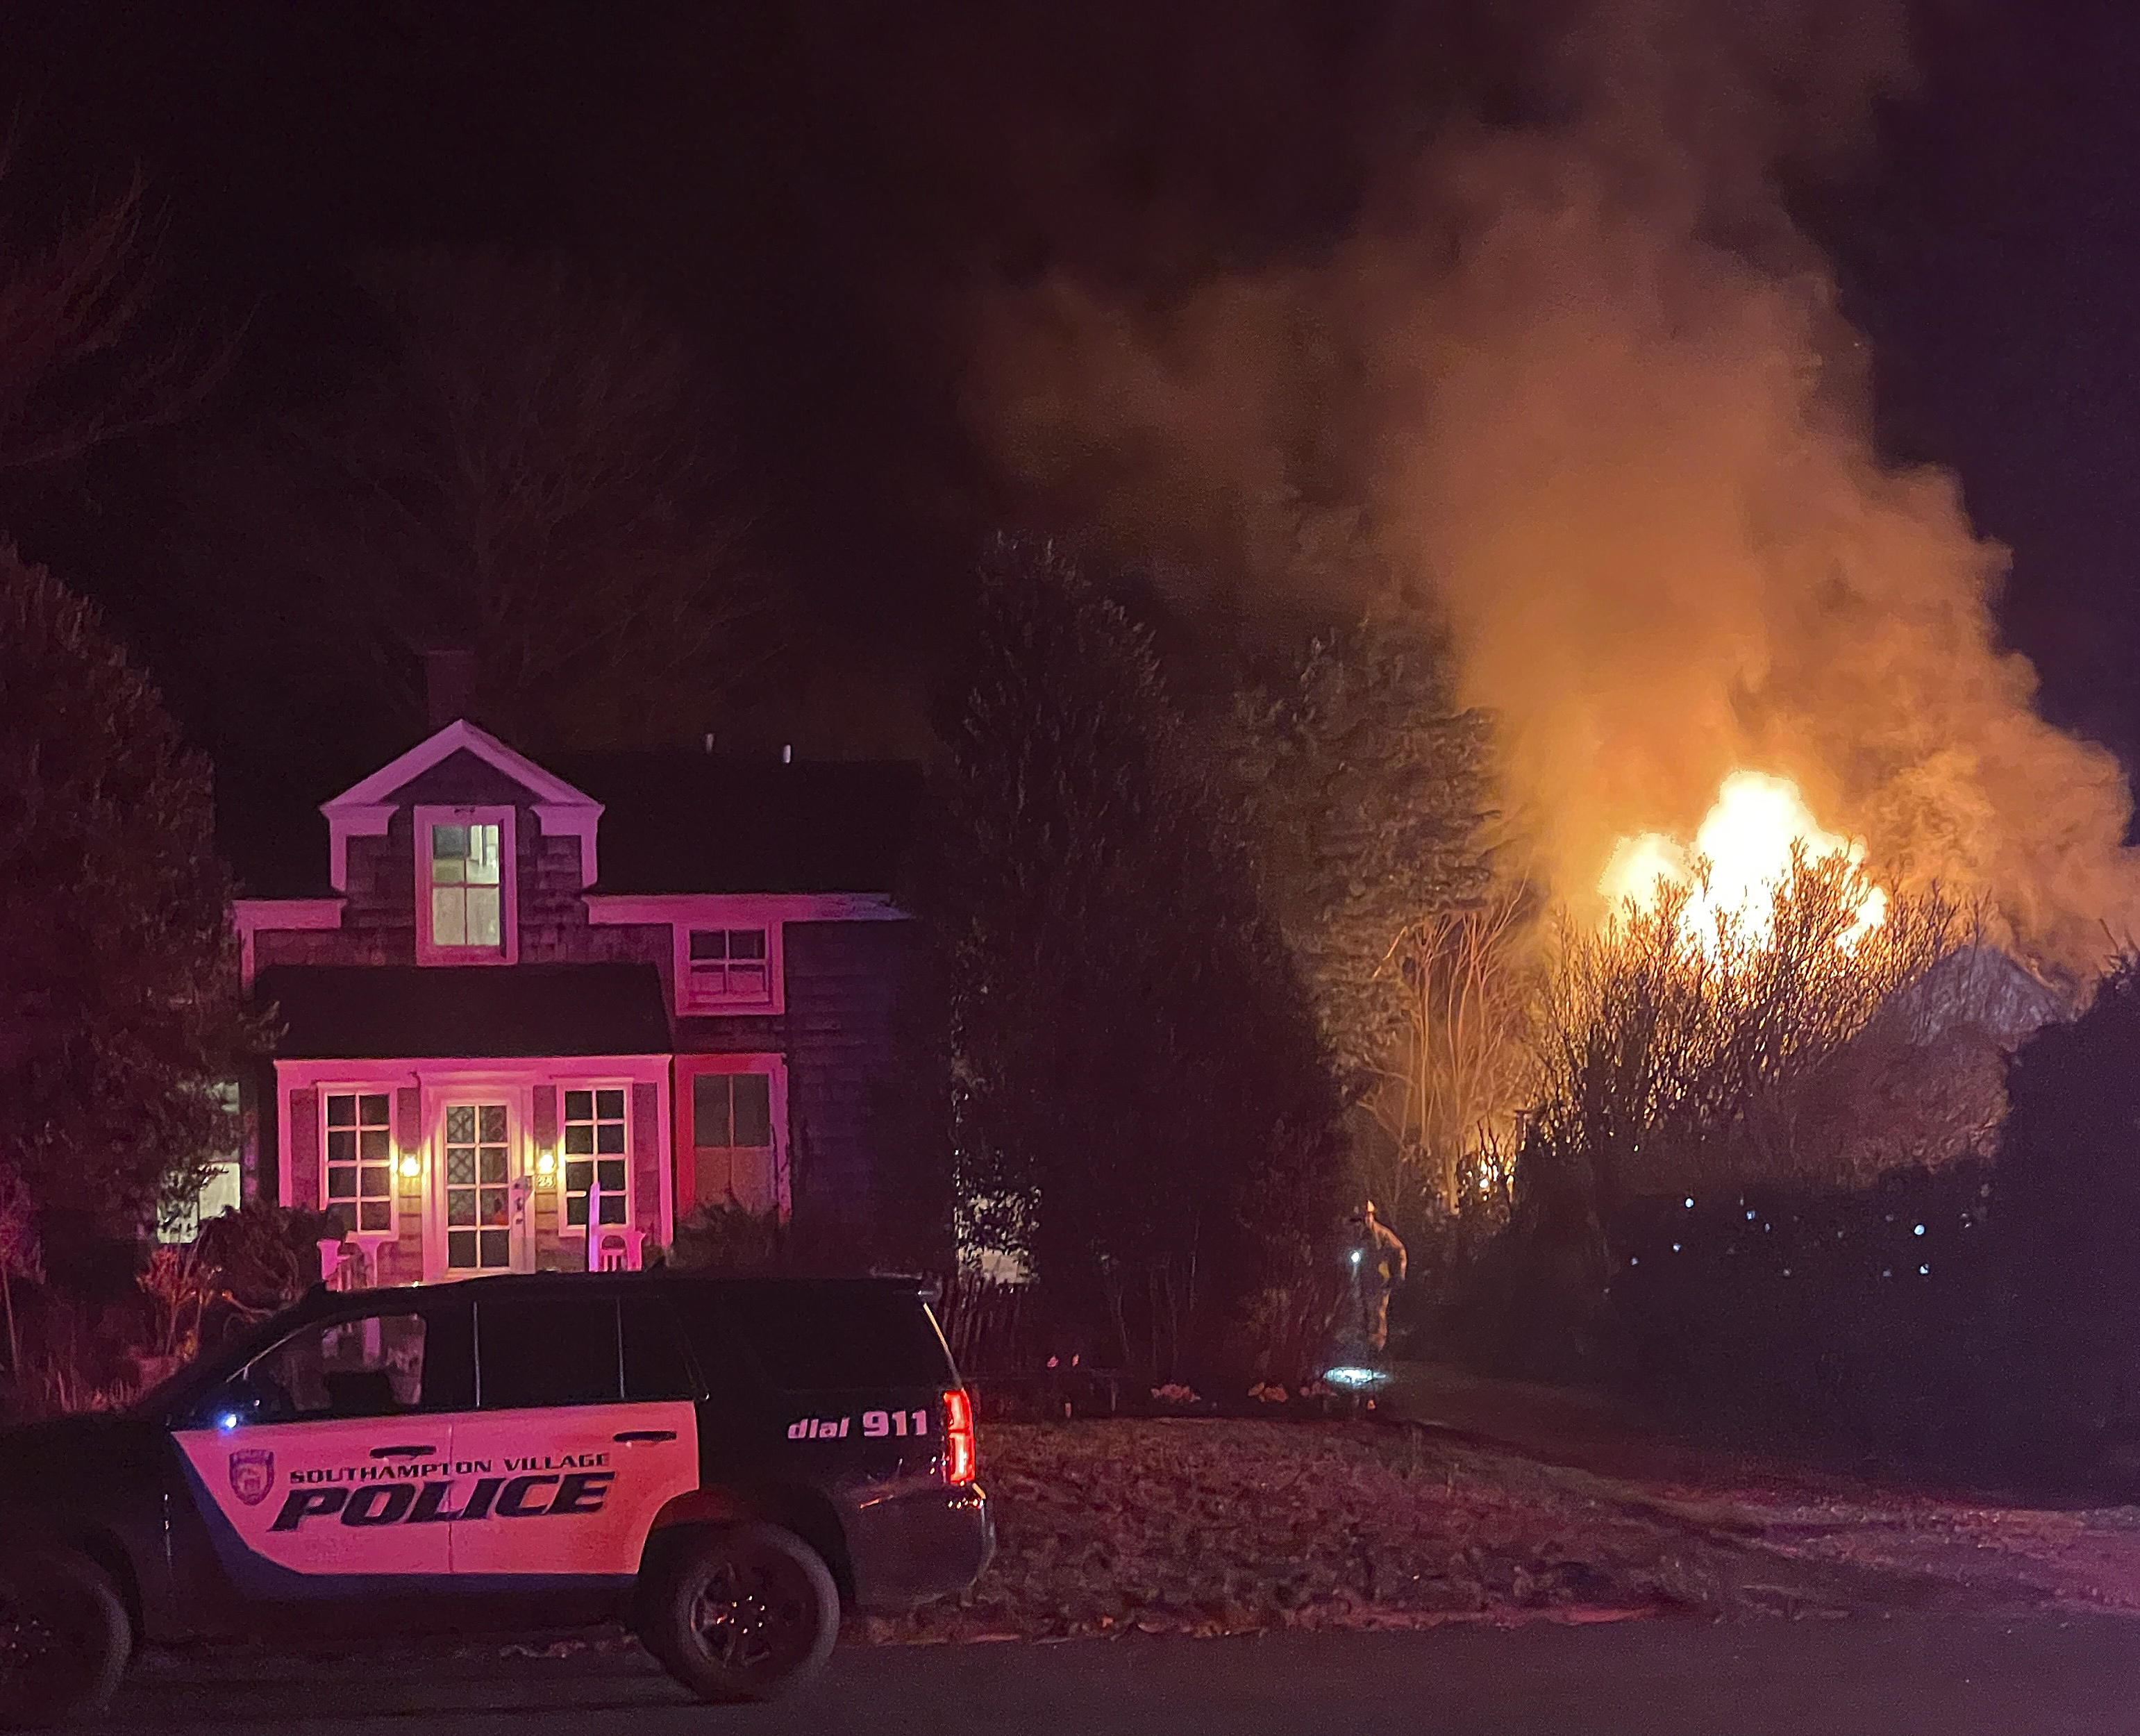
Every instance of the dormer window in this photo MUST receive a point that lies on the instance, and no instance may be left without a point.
(728, 969)
(465, 886)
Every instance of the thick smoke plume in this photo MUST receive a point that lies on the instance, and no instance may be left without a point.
(1577, 390)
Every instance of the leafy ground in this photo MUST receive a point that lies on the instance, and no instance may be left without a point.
(1208, 1527)
(1960, 1547)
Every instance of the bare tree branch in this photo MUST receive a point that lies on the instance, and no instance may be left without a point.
(527, 472)
(78, 366)
(1670, 1059)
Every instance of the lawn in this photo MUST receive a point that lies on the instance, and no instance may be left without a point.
(1211, 1526)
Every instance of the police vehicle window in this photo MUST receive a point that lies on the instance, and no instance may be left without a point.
(721, 1363)
(373, 1365)
(655, 1366)
(811, 1338)
(537, 1351)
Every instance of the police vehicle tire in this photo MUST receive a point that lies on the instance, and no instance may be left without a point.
(739, 1612)
(64, 1638)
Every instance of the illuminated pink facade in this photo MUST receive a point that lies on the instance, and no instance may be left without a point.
(528, 1026)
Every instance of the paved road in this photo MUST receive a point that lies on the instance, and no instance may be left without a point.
(1897, 1677)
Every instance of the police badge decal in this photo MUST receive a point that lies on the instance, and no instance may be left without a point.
(252, 1475)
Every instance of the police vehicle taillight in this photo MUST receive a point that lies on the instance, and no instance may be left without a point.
(961, 1456)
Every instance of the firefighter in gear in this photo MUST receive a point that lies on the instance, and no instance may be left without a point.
(1374, 1267)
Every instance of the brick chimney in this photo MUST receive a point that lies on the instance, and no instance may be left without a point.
(448, 687)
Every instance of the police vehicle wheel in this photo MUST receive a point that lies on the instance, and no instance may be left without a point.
(740, 1613)
(64, 1638)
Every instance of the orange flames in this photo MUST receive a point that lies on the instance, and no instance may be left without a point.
(1744, 844)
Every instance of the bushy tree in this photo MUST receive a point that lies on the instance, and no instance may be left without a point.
(1673, 1047)
(1674, 1051)
(1365, 791)
(2066, 1217)
(1140, 1104)
(1367, 787)
(120, 1004)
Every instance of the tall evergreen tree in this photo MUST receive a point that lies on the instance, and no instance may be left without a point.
(120, 1008)
(1138, 1088)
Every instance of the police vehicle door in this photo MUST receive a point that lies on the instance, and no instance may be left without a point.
(572, 1464)
(330, 1454)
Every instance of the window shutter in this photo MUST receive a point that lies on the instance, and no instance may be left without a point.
(304, 1148)
(647, 1158)
(545, 1118)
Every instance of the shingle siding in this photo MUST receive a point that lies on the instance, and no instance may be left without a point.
(379, 910)
(700, 1036)
(844, 980)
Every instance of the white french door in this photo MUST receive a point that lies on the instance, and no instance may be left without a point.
(482, 1194)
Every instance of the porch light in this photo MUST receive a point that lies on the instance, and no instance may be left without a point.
(545, 1163)
(411, 1166)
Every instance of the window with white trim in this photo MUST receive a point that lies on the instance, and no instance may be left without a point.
(728, 966)
(468, 895)
(360, 1167)
(597, 1167)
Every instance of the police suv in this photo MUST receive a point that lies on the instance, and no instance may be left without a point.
(723, 1464)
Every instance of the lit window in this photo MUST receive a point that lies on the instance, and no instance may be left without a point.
(596, 1171)
(222, 1187)
(478, 1189)
(359, 1162)
(221, 1190)
(732, 1111)
(729, 964)
(466, 907)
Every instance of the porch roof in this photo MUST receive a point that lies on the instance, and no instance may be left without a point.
(371, 1012)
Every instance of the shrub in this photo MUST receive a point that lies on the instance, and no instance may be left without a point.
(2066, 1212)
(727, 1237)
(265, 1256)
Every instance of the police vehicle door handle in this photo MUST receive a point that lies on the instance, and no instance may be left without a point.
(635, 1437)
(403, 1452)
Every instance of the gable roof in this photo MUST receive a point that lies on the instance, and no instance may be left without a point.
(365, 809)
(679, 821)
(459, 736)
(669, 821)
(375, 1012)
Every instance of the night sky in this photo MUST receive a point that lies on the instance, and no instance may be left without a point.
(808, 195)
